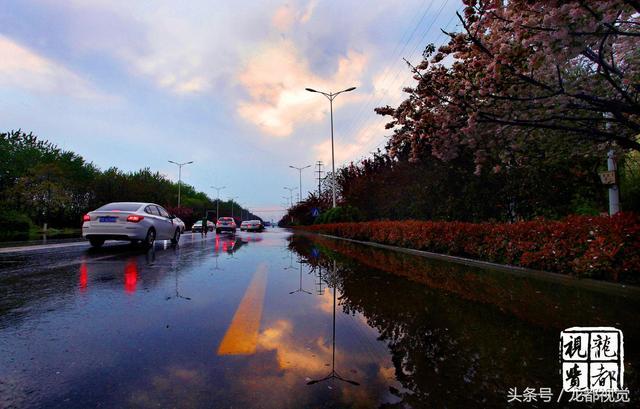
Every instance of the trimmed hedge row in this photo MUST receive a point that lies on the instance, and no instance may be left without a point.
(599, 247)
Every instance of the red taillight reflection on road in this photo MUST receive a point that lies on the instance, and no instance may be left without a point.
(130, 276)
(84, 277)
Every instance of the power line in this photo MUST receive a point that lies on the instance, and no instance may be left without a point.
(382, 119)
(357, 124)
(395, 57)
(410, 75)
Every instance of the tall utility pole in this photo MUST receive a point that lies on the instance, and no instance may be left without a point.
(319, 172)
(218, 189)
(300, 172)
(614, 192)
(180, 165)
(331, 96)
(290, 189)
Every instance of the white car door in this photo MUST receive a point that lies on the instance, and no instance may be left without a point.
(157, 220)
(167, 224)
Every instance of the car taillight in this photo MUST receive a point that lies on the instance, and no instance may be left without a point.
(86, 218)
(134, 218)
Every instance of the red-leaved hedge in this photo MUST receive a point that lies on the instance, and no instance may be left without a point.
(599, 247)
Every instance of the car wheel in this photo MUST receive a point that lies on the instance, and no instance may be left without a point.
(96, 242)
(176, 237)
(151, 238)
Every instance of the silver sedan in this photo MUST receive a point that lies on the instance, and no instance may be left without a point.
(132, 221)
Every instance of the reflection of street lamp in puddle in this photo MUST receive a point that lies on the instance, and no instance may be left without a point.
(299, 290)
(290, 266)
(216, 267)
(178, 292)
(333, 374)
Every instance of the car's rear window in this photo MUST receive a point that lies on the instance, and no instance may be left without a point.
(123, 207)
(226, 219)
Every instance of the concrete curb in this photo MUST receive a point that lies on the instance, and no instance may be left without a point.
(586, 283)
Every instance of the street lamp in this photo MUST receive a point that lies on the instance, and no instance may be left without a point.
(180, 165)
(331, 96)
(300, 171)
(291, 189)
(300, 289)
(218, 189)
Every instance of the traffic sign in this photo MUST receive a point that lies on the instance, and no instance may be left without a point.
(608, 177)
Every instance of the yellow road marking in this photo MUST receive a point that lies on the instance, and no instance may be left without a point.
(241, 337)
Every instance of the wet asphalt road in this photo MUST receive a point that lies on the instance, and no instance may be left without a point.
(221, 321)
(272, 320)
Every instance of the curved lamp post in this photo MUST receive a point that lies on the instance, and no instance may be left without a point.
(331, 96)
(300, 172)
(180, 165)
(218, 189)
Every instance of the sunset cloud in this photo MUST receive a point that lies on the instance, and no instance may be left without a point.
(287, 15)
(283, 18)
(349, 147)
(275, 78)
(219, 83)
(23, 68)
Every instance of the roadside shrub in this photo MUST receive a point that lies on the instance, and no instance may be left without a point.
(340, 214)
(600, 247)
(12, 221)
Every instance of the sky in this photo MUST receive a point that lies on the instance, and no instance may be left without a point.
(136, 83)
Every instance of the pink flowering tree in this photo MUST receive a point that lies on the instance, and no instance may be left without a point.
(523, 69)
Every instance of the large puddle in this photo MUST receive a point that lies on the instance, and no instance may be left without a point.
(275, 321)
